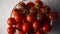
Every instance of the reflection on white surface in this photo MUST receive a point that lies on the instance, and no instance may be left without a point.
(6, 7)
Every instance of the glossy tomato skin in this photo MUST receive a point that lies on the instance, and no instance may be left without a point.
(19, 26)
(11, 30)
(38, 4)
(21, 5)
(36, 26)
(33, 11)
(27, 27)
(21, 32)
(19, 18)
(39, 32)
(30, 5)
(11, 21)
(52, 15)
(15, 12)
(39, 17)
(30, 18)
(45, 9)
(46, 27)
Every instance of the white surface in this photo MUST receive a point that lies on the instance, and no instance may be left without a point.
(6, 7)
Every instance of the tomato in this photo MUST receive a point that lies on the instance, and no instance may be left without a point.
(30, 18)
(33, 10)
(19, 18)
(11, 30)
(45, 9)
(21, 32)
(21, 5)
(46, 27)
(19, 26)
(39, 17)
(38, 4)
(39, 32)
(27, 27)
(15, 12)
(30, 5)
(52, 16)
(36, 25)
(11, 21)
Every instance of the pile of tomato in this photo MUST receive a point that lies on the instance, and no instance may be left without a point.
(31, 18)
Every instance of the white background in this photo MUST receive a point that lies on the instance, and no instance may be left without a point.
(6, 7)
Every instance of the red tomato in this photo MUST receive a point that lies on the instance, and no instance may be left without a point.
(39, 17)
(52, 15)
(19, 18)
(45, 9)
(27, 27)
(15, 12)
(19, 26)
(38, 4)
(39, 32)
(11, 30)
(11, 21)
(21, 32)
(33, 10)
(30, 5)
(46, 27)
(21, 5)
(21, 10)
(36, 25)
(30, 18)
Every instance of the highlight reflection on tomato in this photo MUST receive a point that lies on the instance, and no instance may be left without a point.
(46, 27)
(19, 26)
(52, 15)
(36, 25)
(30, 18)
(19, 18)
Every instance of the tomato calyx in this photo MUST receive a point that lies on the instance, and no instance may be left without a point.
(39, 17)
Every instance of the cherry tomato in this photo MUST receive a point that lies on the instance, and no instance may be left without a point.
(36, 25)
(45, 9)
(39, 17)
(19, 18)
(52, 16)
(38, 4)
(39, 32)
(30, 18)
(46, 27)
(11, 30)
(21, 32)
(21, 5)
(30, 5)
(15, 12)
(19, 26)
(33, 10)
(11, 21)
(26, 27)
